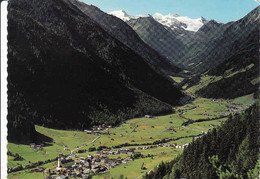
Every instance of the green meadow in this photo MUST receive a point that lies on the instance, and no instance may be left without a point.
(133, 169)
(204, 81)
(60, 137)
(138, 131)
(177, 79)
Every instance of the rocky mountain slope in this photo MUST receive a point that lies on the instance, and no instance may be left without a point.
(158, 37)
(181, 26)
(124, 33)
(196, 45)
(175, 21)
(215, 42)
(65, 71)
(168, 34)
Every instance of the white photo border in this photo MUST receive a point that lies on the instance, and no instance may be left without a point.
(3, 89)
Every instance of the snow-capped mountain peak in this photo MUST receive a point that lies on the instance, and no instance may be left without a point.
(121, 14)
(158, 15)
(171, 21)
(174, 20)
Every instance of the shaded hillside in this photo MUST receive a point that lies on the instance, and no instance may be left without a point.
(239, 74)
(124, 33)
(230, 151)
(215, 42)
(72, 74)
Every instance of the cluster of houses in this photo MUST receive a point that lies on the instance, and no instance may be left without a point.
(182, 146)
(116, 152)
(232, 109)
(173, 145)
(98, 130)
(35, 146)
(84, 167)
(235, 108)
(155, 146)
(132, 150)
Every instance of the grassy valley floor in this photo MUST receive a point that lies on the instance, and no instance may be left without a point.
(182, 127)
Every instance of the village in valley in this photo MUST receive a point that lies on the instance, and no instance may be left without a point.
(138, 144)
(100, 162)
(84, 167)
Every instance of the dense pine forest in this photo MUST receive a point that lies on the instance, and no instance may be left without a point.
(229, 151)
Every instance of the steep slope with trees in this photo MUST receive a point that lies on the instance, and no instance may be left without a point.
(230, 151)
(70, 73)
(125, 34)
(216, 42)
(239, 73)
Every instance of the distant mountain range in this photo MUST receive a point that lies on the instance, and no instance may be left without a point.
(163, 33)
(196, 45)
(173, 22)
(168, 34)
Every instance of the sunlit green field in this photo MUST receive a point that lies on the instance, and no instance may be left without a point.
(205, 126)
(138, 131)
(29, 175)
(202, 108)
(177, 79)
(60, 137)
(204, 81)
(133, 168)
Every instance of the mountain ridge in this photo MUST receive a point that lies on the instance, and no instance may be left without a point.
(167, 20)
(124, 33)
(70, 73)
(199, 50)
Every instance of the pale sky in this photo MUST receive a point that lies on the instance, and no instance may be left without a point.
(219, 10)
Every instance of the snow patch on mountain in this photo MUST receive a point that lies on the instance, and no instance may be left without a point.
(174, 20)
(121, 14)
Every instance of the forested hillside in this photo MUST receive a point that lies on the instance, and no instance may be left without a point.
(125, 34)
(229, 151)
(239, 74)
(216, 42)
(65, 71)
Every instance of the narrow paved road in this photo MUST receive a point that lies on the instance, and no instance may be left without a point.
(85, 144)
